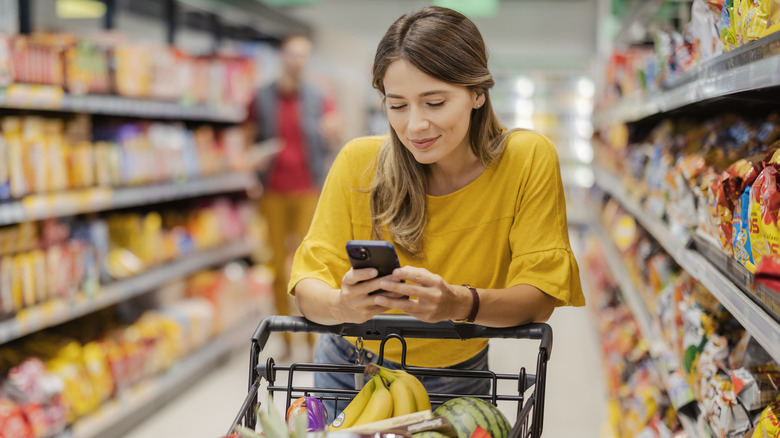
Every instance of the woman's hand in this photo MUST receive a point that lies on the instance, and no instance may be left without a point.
(434, 299)
(354, 302)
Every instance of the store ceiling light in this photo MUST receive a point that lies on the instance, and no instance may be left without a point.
(80, 8)
(471, 8)
(525, 87)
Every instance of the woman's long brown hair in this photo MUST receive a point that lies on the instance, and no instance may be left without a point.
(445, 45)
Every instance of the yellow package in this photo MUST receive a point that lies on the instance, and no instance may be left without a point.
(151, 236)
(6, 279)
(41, 288)
(27, 277)
(16, 178)
(58, 171)
(768, 425)
(17, 296)
(753, 20)
(78, 395)
(96, 363)
(133, 70)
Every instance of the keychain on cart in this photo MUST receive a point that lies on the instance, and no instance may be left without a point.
(359, 378)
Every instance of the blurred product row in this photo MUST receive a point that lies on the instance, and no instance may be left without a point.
(112, 65)
(715, 28)
(41, 155)
(55, 378)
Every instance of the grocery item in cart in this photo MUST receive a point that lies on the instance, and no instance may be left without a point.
(310, 408)
(468, 413)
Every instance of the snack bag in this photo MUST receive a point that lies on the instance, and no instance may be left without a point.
(768, 425)
(764, 214)
(773, 16)
(741, 231)
(725, 25)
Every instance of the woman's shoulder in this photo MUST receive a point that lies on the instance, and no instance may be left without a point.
(522, 145)
(363, 148)
(357, 156)
(523, 140)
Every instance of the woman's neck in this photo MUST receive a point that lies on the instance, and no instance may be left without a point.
(448, 177)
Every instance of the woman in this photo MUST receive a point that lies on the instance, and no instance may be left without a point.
(464, 201)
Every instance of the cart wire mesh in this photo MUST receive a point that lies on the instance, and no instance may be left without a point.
(530, 407)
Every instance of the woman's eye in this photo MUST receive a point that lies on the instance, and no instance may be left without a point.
(397, 107)
(435, 104)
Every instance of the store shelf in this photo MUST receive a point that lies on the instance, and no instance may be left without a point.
(119, 415)
(658, 346)
(37, 207)
(53, 312)
(751, 67)
(753, 318)
(32, 97)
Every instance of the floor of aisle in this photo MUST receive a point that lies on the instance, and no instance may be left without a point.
(575, 403)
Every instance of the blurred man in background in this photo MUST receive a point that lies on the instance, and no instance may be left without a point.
(299, 121)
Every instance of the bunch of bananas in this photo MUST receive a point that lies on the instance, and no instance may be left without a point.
(389, 393)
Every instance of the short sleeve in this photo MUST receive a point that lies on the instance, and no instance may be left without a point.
(322, 254)
(539, 236)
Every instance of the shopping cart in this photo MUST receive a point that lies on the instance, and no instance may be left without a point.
(530, 408)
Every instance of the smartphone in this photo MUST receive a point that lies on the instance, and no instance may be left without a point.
(377, 254)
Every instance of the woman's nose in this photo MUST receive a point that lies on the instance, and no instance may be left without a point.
(418, 120)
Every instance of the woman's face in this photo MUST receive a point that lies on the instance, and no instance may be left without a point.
(430, 117)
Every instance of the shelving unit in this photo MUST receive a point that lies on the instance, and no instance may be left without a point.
(55, 312)
(44, 206)
(751, 67)
(753, 318)
(650, 331)
(121, 414)
(40, 98)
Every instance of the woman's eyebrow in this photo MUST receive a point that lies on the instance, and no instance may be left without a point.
(427, 93)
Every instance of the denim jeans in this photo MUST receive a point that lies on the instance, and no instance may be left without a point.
(334, 349)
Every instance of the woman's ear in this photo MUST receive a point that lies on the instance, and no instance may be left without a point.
(479, 99)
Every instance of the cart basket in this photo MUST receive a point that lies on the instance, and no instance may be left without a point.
(530, 409)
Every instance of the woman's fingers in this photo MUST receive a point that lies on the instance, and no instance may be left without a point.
(419, 276)
(355, 276)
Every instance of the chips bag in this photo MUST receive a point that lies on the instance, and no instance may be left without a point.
(764, 207)
(768, 425)
(741, 231)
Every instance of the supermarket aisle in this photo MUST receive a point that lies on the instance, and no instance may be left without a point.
(575, 404)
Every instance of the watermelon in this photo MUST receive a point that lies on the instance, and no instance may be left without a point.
(430, 434)
(466, 413)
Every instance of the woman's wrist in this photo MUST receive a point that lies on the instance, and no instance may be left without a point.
(464, 302)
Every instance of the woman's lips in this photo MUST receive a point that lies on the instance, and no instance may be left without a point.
(423, 143)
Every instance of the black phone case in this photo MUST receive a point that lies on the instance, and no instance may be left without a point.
(381, 256)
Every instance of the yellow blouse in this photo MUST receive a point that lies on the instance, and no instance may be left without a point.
(505, 228)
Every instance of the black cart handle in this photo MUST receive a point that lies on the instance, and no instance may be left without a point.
(380, 326)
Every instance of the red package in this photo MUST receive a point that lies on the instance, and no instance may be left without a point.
(728, 188)
(12, 421)
(768, 272)
(36, 419)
